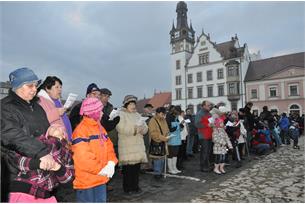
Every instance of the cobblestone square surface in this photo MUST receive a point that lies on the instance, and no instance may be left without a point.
(276, 177)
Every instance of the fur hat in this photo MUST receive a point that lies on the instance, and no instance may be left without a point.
(129, 98)
(22, 76)
(92, 108)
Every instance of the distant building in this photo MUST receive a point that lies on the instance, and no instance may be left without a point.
(158, 100)
(205, 70)
(4, 89)
(277, 82)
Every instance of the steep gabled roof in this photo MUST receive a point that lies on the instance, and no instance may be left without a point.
(261, 69)
(228, 51)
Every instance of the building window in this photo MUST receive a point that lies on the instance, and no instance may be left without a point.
(219, 73)
(199, 92)
(272, 92)
(199, 76)
(178, 94)
(233, 71)
(202, 43)
(190, 78)
(210, 91)
(221, 90)
(190, 93)
(233, 88)
(294, 109)
(234, 105)
(178, 80)
(293, 90)
(178, 64)
(209, 75)
(203, 58)
(253, 93)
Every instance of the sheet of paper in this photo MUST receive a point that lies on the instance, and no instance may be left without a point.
(70, 100)
(187, 121)
(114, 113)
(211, 120)
(141, 121)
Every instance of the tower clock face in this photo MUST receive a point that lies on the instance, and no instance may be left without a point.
(177, 34)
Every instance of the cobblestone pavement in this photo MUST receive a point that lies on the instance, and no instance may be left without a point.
(277, 177)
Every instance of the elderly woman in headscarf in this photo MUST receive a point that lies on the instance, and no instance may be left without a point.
(131, 129)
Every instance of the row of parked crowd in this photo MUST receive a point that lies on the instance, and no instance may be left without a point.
(46, 148)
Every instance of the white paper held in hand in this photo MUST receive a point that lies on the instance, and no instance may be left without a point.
(211, 120)
(70, 100)
(187, 121)
(114, 113)
(142, 121)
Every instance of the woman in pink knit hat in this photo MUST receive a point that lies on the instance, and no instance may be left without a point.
(93, 154)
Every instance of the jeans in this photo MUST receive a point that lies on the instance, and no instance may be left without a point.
(262, 148)
(205, 154)
(158, 166)
(189, 144)
(285, 137)
(276, 137)
(92, 195)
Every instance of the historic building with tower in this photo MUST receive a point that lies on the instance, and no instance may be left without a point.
(204, 70)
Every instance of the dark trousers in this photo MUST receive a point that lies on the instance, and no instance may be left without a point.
(181, 154)
(205, 154)
(241, 147)
(220, 158)
(285, 137)
(131, 177)
(196, 144)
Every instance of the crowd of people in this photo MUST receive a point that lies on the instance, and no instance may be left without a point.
(46, 147)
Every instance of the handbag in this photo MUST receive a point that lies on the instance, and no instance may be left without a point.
(157, 148)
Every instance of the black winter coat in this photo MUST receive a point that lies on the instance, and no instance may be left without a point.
(21, 123)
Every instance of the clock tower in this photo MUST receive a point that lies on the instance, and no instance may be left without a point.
(182, 40)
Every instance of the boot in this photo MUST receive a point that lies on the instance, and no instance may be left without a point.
(221, 168)
(170, 166)
(216, 169)
(174, 165)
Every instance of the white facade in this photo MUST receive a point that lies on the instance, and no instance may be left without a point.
(215, 62)
(196, 67)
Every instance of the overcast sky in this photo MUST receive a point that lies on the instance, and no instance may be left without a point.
(124, 46)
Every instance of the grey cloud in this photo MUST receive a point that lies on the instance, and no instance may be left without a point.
(125, 45)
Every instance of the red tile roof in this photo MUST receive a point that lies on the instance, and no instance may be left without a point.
(158, 100)
(141, 103)
(161, 99)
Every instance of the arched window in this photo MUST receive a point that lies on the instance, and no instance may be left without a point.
(294, 109)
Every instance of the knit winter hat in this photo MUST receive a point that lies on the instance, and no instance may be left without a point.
(22, 76)
(91, 107)
(92, 87)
